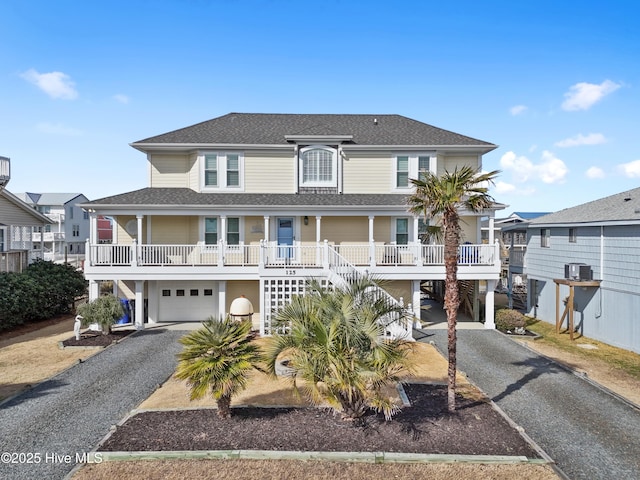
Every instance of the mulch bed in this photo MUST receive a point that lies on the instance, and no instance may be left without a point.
(425, 427)
(91, 338)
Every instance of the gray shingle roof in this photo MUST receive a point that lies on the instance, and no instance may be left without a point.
(186, 197)
(270, 129)
(623, 206)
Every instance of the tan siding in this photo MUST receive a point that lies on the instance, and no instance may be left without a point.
(174, 230)
(370, 174)
(193, 169)
(269, 172)
(11, 214)
(382, 229)
(121, 234)
(469, 226)
(253, 230)
(345, 229)
(398, 289)
(170, 171)
(450, 163)
(248, 288)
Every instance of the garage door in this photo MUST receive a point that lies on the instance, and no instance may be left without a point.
(186, 301)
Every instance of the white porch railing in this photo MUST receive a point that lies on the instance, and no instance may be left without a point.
(272, 255)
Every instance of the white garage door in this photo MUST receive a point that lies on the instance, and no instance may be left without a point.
(186, 301)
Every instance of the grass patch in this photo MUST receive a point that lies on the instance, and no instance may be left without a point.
(625, 360)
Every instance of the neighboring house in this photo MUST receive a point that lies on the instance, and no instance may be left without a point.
(70, 229)
(17, 219)
(589, 256)
(255, 204)
(105, 229)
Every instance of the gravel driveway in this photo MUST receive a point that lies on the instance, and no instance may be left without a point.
(70, 413)
(589, 433)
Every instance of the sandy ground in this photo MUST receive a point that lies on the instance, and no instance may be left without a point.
(35, 356)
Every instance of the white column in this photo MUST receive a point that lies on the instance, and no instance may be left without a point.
(489, 313)
(262, 307)
(415, 302)
(491, 226)
(372, 245)
(318, 229)
(93, 229)
(94, 290)
(139, 313)
(266, 228)
(416, 230)
(371, 217)
(139, 228)
(222, 299)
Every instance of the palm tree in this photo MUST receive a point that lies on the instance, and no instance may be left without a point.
(334, 345)
(443, 197)
(218, 357)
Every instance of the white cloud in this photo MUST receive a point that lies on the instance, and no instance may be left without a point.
(577, 140)
(504, 187)
(517, 109)
(58, 129)
(583, 96)
(121, 98)
(549, 170)
(54, 84)
(594, 172)
(631, 169)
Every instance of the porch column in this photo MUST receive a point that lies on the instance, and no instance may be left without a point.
(222, 299)
(262, 307)
(139, 313)
(489, 313)
(93, 229)
(94, 290)
(266, 228)
(139, 227)
(491, 225)
(416, 229)
(372, 245)
(415, 302)
(318, 228)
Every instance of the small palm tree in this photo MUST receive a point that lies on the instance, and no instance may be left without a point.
(104, 311)
(335, 347)
(443, 197)
(218, 358)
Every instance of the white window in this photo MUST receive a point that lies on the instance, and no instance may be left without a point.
(76, 231)
(573, 235)
(411, 165)
(222, 170)
(402, 231)
(210, 231)
(318, 165)
(545, 237)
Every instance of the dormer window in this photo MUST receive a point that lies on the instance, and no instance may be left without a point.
(318, 166)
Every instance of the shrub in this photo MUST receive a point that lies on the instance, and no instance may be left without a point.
(508, 319)
(105, 311)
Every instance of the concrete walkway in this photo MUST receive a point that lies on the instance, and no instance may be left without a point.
(70, 413)
(589, 433)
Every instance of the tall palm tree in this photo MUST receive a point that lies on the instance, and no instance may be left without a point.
(443, 197)
(335, 347)
(218, 358)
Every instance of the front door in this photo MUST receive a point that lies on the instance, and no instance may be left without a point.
(285, 237)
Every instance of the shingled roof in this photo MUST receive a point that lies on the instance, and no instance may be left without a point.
(185, 197)
(621, 207)
(271, 129)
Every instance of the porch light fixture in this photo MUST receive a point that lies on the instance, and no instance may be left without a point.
(306, 220)
(241, 309)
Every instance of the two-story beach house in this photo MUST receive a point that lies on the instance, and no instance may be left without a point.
(255, 204)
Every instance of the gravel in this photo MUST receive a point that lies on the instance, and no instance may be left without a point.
(588, 432)
(70, 413)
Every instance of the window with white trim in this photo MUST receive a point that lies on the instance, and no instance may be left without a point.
(210, 231)
(211, 170)
(222, 170)
(318, 166)
(75, 230)
(233, 231)
(3, 241)
(545, 237)
(402, 231)
(573, 235)
(411, 165)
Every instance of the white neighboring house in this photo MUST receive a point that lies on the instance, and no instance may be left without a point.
(17, 220)
(69, 231)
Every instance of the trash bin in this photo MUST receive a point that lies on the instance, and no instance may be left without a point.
(126, 318)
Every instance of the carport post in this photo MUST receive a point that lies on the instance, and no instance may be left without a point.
(139, 313)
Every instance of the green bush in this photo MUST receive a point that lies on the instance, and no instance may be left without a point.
(105, 311)
(508, 320)
(43, 290)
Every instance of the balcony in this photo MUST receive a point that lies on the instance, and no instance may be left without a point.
(267, 258)
(48, 236)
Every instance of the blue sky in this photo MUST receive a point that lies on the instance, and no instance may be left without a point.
(556, 84)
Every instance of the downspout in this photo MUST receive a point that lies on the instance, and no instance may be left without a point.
(599, 309)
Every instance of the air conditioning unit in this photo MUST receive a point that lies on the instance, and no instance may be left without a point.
(577, 271)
